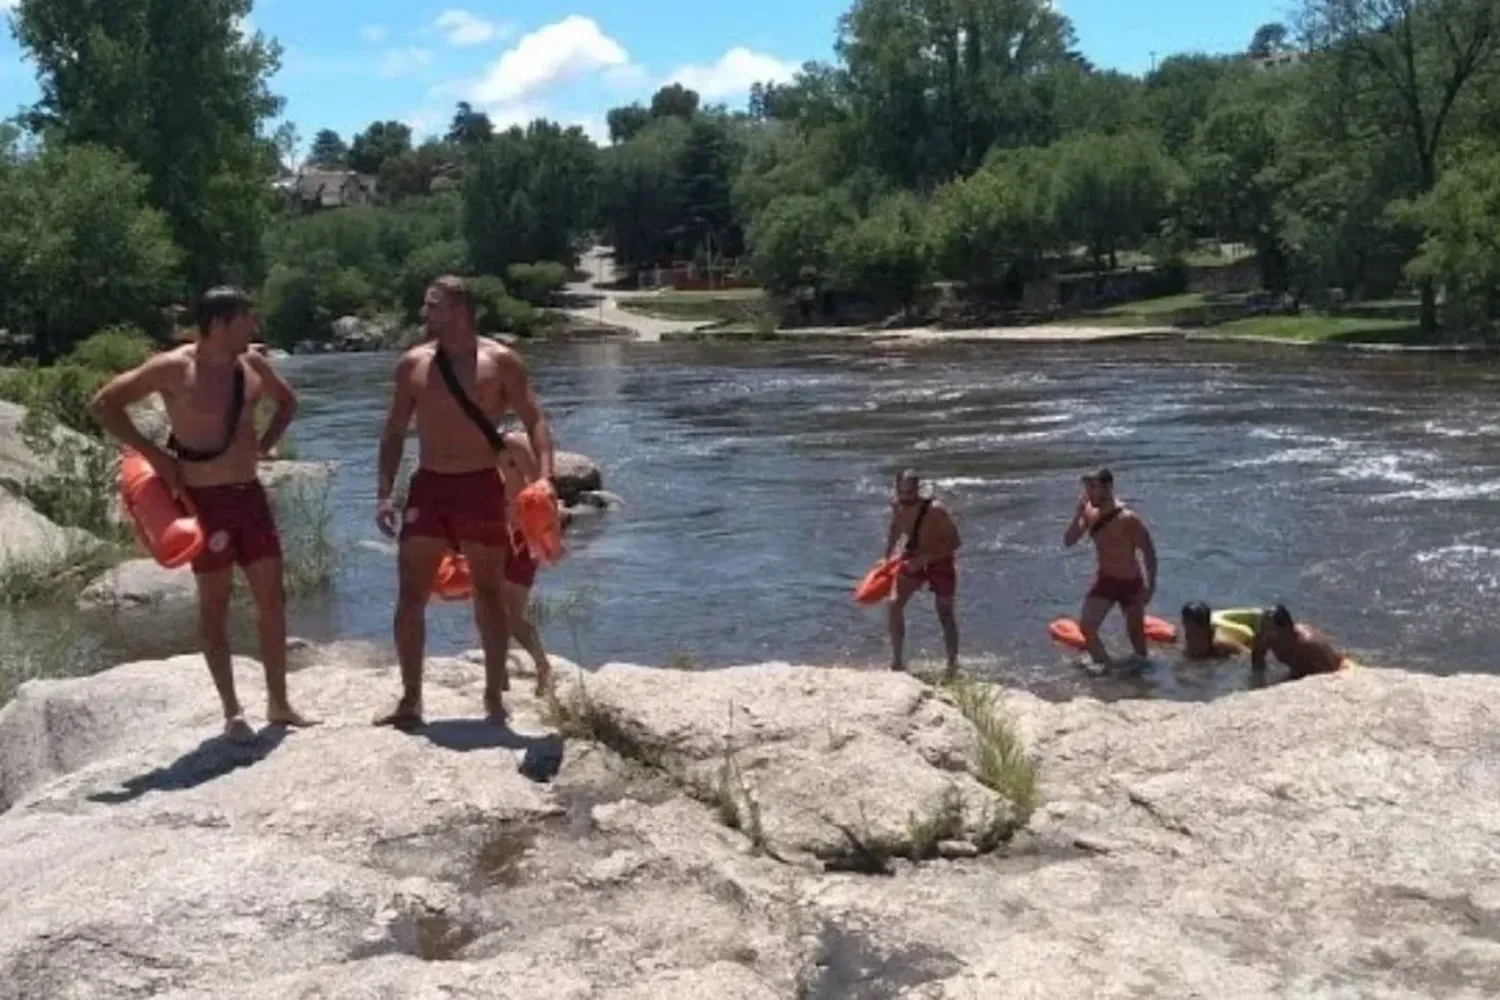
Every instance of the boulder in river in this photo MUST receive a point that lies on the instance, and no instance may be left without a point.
(574, 475)
(19, 464)
(32, 543)
(139, 583)
(1333, 836)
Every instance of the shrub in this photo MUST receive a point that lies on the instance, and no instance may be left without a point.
(61, 391)
(537, 283)
(113, 350)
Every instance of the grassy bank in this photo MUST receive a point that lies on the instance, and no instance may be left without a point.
(729, 305)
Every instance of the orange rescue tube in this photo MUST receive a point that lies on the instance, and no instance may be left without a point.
(1068, 632)
(166, 531)
(877, 584)
(540, 524)
(453, 582)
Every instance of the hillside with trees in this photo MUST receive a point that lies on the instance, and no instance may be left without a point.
(956, 151)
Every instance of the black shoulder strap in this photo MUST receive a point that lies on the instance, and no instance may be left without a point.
(916, 526)
(1099, 524)
(445, 369)
(236, 410)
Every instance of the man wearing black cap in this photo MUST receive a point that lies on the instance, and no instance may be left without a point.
(1119, 535)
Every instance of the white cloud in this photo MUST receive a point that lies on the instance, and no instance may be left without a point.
(462, 27)
(8, 4)
(403, 62)
(551, 55)
(733, 73)
(374, 33)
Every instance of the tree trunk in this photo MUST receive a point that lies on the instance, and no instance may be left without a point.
(1429, 308)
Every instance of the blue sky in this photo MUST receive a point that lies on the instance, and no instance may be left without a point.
(347, 63)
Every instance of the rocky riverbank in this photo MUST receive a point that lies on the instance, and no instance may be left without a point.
(746, 833)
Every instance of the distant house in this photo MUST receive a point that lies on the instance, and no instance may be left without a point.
(313, 188)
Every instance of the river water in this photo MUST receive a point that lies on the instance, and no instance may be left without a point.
(1361, 491)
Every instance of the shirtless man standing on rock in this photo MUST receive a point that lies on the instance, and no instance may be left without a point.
(457, 499)
(210, 389)
(927, 559)
(1118, 534)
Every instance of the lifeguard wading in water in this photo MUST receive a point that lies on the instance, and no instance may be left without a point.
(459, 386)
(927, 559)
(1119, 535)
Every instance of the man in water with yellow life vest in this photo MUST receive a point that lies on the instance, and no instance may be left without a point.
(1120, 536)
(210, 388)
(928, 560)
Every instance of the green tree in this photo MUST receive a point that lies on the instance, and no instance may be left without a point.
(1268, 40)
(674, 100)
(470, 127)
(528, 196)
(994, 228)
(791, 241)
(1113, 191)
(626, 122)
(328, 150)
(885, 256)
(1420, 63)
(379, 144)
(176, 87)
(80, 249)
(1461, 252)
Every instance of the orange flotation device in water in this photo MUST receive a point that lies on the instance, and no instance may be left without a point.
(1068, 632)
(877, 584)
(165, 530)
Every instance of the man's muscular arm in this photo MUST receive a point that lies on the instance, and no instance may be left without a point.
(157, 374)
(517, 382)
(281, 392)
(398, 418)
(1148, 553)
(1078, 525)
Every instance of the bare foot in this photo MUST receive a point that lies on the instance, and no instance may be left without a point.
(494, 708)
(286, 715)
(544, 686)
(406, 715)
(238, 731)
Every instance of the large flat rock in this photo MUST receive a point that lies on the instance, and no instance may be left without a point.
(1334, 837)
(815, 763)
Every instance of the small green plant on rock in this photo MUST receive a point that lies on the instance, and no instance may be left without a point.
(304, 516)
(945, 821)
(1002, 763)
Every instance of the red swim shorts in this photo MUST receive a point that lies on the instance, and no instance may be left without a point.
(457, 507)
(940, 576)
(238, 526)
(520, 568)
(1122, 591)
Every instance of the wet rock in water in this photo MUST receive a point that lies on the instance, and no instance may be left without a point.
(575, 475)
(139, 583)
(1336, 830)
